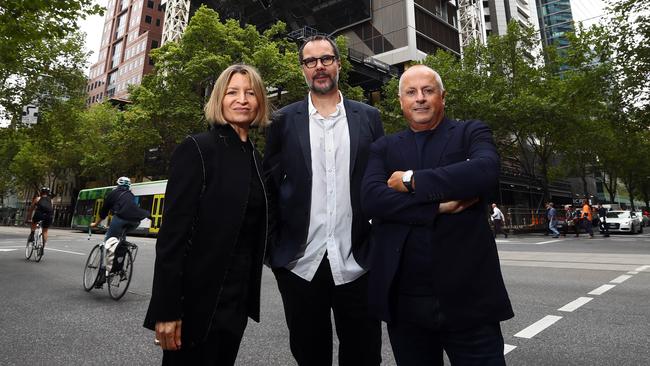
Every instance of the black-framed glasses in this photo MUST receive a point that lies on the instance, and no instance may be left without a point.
(326, 60)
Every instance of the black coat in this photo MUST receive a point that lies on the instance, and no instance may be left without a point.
(192, 257)
(287, 161)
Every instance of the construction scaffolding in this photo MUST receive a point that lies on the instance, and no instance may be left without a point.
(177, 15)
(472, 25)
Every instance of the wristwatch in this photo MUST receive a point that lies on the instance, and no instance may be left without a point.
(407, 180)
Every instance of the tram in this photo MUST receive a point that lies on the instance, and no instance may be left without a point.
(148, 195)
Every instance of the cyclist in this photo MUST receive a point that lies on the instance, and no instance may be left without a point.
(42, 209)
(126, 213)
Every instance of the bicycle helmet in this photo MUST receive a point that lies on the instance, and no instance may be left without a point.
(124, 181)
(45, 190)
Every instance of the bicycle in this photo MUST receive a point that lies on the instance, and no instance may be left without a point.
(95, 269)
(36, 245)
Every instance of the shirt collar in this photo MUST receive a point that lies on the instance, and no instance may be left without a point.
(340, 109)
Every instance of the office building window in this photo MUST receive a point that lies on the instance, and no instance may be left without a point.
(154, 44)
(150, 4)
(147, 19)
(157, 22)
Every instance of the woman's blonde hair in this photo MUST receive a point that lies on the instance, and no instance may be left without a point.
(214, 107)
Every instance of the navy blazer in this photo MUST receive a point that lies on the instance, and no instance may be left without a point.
(287, 163)
(467, 278)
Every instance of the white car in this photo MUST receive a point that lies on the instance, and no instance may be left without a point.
(623, 222)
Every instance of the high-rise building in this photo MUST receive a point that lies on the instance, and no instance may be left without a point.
(555, 21)
(381, 34)
(131, 29)
(498, 13)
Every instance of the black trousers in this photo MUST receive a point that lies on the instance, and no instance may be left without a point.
(419, 334)
(308, 307)
(498, 228)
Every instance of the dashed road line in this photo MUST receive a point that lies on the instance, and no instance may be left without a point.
(642, 268)
(533, 329)
(601, 290)
(507, 348)
(548, 242)
(620, 279)
(633, 272)
(64, 251)
(575, 304)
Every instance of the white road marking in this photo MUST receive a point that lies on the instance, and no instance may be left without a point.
(7, 250)
(538, 326)
(507, 348)
(642, 268)
(633, 272)
(575, 304)
(548, 241)
(65, 251)
(620, 279)
(602, 289)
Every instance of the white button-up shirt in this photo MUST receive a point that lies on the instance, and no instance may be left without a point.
(330, 223)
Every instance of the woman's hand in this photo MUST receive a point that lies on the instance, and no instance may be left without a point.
(169, 335)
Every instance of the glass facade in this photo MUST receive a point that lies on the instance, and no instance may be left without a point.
(555, 21)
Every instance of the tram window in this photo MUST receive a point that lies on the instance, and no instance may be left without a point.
(145, 202)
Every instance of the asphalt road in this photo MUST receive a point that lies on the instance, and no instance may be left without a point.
(563, 314)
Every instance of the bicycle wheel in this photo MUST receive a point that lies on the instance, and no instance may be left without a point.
(38, 247)
(29, 249)
(92, 267)
(119, 282)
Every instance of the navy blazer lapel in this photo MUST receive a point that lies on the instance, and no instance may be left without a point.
(447, 127)
(354, 126)
(301, 126)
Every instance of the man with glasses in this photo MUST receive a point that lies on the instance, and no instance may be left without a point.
(315, 156)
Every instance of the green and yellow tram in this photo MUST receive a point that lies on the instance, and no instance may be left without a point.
(148, 195)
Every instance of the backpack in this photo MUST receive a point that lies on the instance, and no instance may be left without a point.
(44, 204)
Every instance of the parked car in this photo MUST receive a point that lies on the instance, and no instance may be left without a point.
(624, 222)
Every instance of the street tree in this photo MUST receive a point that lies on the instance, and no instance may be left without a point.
(38, 39)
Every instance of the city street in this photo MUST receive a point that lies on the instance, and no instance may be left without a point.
(577, 301)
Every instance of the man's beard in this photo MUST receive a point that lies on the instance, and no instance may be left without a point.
(326, 89)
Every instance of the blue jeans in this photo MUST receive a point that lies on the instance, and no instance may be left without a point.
(553, 227)
(118, 225)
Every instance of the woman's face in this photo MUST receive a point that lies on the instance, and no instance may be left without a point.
(240, 103)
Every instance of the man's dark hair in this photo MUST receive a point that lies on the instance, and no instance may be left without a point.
(337, 55)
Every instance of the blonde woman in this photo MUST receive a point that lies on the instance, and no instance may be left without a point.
(211, 245)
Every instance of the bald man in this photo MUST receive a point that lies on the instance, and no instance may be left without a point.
(435, 275)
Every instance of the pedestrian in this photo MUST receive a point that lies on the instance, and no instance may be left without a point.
(552, 219)
(435, 275)
(602, 215)
(547, 230)
(587, 218)
(210, 248)
(570, 217)
(497, 219)
(316, 153)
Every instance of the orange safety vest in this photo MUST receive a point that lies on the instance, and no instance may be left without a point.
(587, 210)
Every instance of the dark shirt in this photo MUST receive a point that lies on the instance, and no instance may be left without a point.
(236, 286)
(416, 275)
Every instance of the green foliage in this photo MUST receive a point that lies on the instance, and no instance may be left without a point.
(38, 40)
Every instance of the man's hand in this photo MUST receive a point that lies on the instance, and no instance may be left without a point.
(169, 335)
(452, 207)
(94, 224)
(395, 182)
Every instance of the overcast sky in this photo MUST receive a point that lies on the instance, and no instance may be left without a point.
(588, 11)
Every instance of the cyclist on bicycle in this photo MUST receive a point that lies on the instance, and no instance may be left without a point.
(42, 209)
(126, 213)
